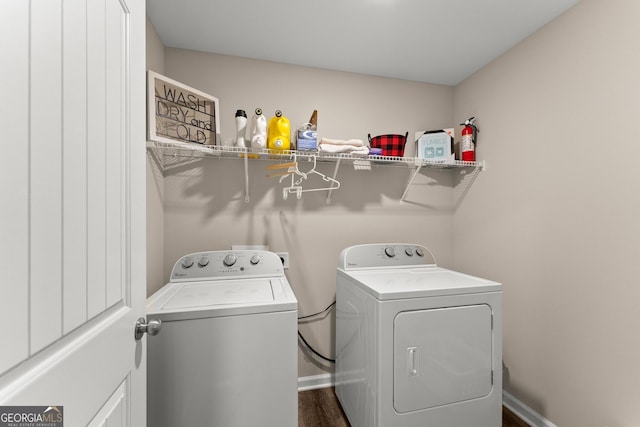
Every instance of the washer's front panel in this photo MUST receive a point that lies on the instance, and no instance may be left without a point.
(234, 371)
(441, 356)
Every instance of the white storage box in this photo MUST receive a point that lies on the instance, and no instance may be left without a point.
(435, 145)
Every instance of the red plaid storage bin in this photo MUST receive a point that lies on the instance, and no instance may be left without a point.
(391, 145)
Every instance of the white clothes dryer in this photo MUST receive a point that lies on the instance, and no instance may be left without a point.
(227, 352)
(416, 344)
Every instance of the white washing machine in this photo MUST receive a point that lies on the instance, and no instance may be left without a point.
(416, 344)
(226, 355)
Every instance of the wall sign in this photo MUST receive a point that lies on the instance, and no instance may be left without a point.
(177, 112)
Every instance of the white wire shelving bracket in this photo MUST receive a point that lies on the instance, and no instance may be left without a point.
(420, 163)
(190, 151)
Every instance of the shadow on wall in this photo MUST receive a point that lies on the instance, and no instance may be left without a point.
(217, 184)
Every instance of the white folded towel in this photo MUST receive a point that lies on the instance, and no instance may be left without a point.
(349, 149)
(356, 142)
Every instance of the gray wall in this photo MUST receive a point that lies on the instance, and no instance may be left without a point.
(555, 216)
(155, 183)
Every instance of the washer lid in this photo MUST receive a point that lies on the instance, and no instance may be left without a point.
(191, 300)
(400, 283)
(205, 294)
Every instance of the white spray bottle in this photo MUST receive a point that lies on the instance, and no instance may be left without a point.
(258, 130)
(241, 128)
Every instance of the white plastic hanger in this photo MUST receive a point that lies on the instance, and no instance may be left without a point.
(296, 187)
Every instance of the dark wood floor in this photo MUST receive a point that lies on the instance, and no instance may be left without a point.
(320, 408)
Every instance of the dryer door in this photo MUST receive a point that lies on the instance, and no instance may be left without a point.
(442, 356)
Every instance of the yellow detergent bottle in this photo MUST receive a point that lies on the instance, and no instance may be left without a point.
(279, 132)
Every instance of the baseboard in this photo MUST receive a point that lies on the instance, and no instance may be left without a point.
(315, 381)
(527, 414)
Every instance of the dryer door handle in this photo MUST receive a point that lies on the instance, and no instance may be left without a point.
(412, 361)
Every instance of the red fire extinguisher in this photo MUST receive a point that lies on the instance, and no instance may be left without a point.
(468, 142)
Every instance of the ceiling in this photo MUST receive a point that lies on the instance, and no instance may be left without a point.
(434, 41)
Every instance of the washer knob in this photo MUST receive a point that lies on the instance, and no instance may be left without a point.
(203, 261)
(390, 252)
(229, 260)
(408, 251)
(255, 259)
(187, 262)
(419, 251)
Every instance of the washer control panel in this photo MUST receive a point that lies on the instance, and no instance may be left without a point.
(214, 265)
(379, 255)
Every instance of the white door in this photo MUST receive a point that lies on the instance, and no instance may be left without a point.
(72, 214)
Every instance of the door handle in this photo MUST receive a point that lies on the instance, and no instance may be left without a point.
(151, 328)
(412, 361)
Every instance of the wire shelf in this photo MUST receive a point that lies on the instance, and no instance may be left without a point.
(189, 151)
(181, 149)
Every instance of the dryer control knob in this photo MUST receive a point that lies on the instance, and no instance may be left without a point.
(203, 261)
(255, 259)
(229, 260)
(390, 252)
(187, 262)
(408, 251)
(419, 251)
